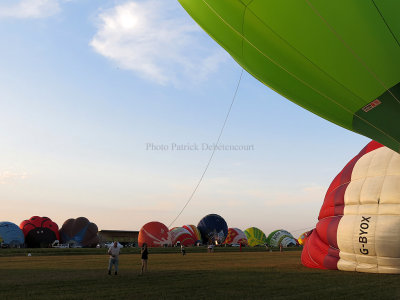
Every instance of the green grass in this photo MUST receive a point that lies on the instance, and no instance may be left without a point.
(226, 275)
(91, 251)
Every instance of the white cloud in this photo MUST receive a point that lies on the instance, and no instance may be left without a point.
(29, 9)
(8, 176)
(156, 41)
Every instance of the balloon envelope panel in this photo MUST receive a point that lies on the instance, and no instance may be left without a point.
(213, 228)
(154, 234)
(235, 236)
(11, 234)
(346, 74)
(79, 231)
(302, 238)
(281, 237)
(194, 231)
(183, 236)
(359, 222)
(255, 236)
(39, 231)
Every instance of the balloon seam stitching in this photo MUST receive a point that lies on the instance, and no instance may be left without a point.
(350, 49)
(308, 59)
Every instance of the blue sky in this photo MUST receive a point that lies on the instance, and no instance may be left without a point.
(85, 86)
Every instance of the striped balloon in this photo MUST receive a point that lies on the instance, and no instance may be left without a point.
(359, 222)
(194, 231)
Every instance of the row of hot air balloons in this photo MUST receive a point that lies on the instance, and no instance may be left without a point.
(42, 231)
(212, 229)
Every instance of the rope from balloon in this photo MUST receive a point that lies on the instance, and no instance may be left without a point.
(212, 153)
(302, 229)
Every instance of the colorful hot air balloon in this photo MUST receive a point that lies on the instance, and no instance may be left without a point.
(235, 236)
(80, 232)
(302, 238)
(255, 236)
(213, 229)
(194, 231)
(345, 69)
(39, 232)
(183, 236)
(359, 222)
(11, 235)
(281, 237)
(154, 234)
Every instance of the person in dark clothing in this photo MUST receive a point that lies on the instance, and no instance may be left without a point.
(145, 255)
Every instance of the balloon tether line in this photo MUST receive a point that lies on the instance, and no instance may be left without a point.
(302, 229)
(212, 153)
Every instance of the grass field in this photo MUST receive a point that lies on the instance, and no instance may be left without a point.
(135, 250)
(226, 275)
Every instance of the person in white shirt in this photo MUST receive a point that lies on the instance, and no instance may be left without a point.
(114, 252)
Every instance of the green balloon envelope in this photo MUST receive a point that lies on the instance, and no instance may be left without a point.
(255, 237)
(338, 59)
(281, 237)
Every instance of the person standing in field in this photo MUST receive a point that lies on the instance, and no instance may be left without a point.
(114, 252)
(145, 255)
(183, 249)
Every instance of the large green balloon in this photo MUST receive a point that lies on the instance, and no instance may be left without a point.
(339, 59)
(281, 237)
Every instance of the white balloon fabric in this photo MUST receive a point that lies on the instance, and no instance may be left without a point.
(359, 222)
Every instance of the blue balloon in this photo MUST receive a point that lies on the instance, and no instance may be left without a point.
(213, 228)
(79, 231)
(11, 235)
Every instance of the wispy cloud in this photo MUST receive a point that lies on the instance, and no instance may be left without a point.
(156, 41)
(9, 176)
(29, 9)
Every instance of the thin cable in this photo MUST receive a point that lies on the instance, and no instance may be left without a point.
(303, 229)
(212, 153)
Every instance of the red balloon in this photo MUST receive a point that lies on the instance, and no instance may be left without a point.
(321, 248)
(236, 236)
(39, 231)
(183, 236)
(154, 234)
